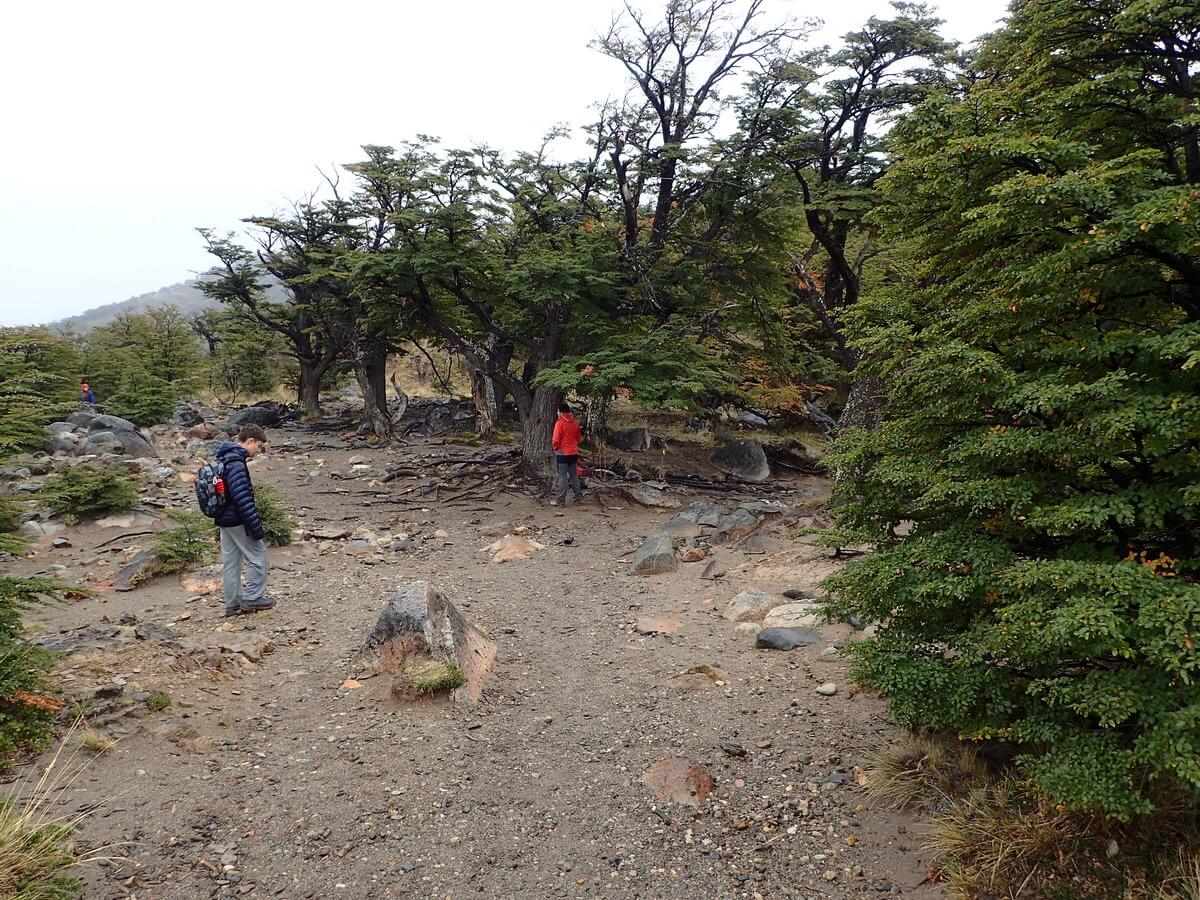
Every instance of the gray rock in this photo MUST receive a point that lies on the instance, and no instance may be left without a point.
(761, 543)
(60, 543)
(103, 442)
(680, 527)
(202, 449)
(631, 440)
(750, 606)
(786, 638)
(704, 514)
(150, 631)
(83, 418)
(186, 417)
(801, 594)
(62, 442)
(831, 654)
(135, 570)
(16, 473)
(255, 415)
(110, 423)
(794, 615)
(715, 569)
(420, 620)
(646, 495)
(656, 556)
(828, 689)
(745, 417)
(59, 427)
(744, 460)
(88, 639)
(739, 524)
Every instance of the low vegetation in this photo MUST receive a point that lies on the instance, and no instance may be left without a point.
(84, 491)
(27, 708)
(96, 742)
(276, 520)
(191, 542)
(427, 677)
(158, 701)
(36, 855)
(10, 520)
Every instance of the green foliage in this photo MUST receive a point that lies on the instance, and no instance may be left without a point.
(243, 357)
(1044, 395)
(25, 711)
(277, 521)
(143, 399)
(10, 520)
(88, 491)
(139, 364)
(158, 701)
(192, 542)
(38, 384)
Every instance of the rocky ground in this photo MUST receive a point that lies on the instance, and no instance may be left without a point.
(631, 741)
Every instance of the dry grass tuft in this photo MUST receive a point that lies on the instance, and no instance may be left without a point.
(95, 742)
(919, 770)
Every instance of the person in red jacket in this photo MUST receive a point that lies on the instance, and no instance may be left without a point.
(566, 453)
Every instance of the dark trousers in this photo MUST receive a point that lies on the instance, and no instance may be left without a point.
(568, 474)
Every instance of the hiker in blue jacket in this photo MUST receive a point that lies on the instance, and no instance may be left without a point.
(241, 527)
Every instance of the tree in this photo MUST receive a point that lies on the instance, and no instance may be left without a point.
(38, 384)
(240, 281)
(823, 114)
(1043, 372)
(241, 354)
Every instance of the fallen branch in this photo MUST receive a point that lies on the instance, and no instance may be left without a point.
(121, 537)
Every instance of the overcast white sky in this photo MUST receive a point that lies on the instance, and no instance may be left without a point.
(129, 123)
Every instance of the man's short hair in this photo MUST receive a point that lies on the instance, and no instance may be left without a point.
(251, 432)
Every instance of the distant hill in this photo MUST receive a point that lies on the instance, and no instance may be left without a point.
(186, 295)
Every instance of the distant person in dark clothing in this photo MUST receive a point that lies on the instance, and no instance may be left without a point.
(241, 527)
(85, 393)
(565, 441)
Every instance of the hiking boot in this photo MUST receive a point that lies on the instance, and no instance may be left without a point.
(554, 503)
(236, 611)
(260, 606)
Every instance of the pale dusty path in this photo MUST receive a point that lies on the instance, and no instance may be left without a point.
(307, 789)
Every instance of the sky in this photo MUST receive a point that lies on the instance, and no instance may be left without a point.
(128, 124)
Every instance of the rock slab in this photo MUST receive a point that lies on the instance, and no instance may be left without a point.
(656, 556)
(750, 606)
(744, 460)
(786, 638)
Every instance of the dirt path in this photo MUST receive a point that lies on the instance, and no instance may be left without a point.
(273, 779)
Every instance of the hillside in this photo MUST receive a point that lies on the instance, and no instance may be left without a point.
(186, 295)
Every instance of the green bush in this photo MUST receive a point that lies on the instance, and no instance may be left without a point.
(86, 491)
(37, 386)
(36, 851)
(191, 542)
(1043, 372)
(26, 711)
(277, 522)
(143, 399)
(10, 520)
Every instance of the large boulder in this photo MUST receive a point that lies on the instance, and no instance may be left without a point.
(111, 423)
(803, 614)
(750, 606)
(631, 440)
(739, 524)
(645, 495)
(656, 556)
(186, 417)
(129, 443)
(102, 442)
(265, 416)
(62, 442)
(744, 460)
(418, 625)
(83, 418)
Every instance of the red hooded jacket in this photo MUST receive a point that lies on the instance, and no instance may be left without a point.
(566, 435)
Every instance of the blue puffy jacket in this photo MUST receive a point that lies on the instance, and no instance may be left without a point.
(239, 508)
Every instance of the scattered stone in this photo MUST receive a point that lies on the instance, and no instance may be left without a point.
(140, 567)
(693, 554)
(828, 689)
(735, 750)
(656, 556)
(329, 534)
(649, 496)
(746, 417)
(759, 544)
(631, 440)
(203, 432)
(786, 638)
(749, 606)
(266, 416)
(744, 460)
(801, 594)
(794, 615)
(419, 623)
(715, 569)
(126, 520)
(150, 631)
(682, 528)
(678, 780)
(651, 625)
(750, 628)
(512, 548)
(60, 543)
(739, 524)
(831, 654)
(202, 582)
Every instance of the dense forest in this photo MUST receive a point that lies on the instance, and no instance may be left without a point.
(976, 270)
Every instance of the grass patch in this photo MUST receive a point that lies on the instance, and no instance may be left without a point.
(276, 520)
(158, 701)
(83, 491)
(190, 543)
(432, 676)
(993, 835)
(919, 770)
(35, 855)
(95, 742)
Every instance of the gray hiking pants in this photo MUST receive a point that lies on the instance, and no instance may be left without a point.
(568, 474)
(237, 546)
